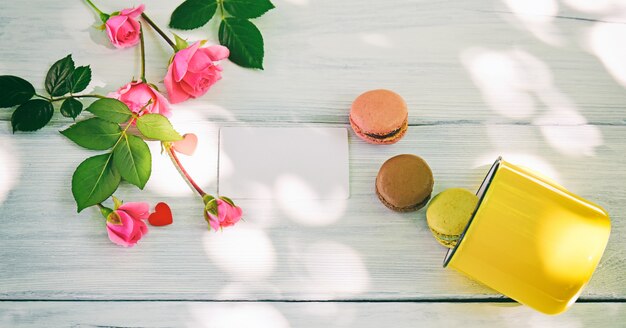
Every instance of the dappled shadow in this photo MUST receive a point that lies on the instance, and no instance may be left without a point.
(537, 16)
(242, 315)
(606, 41)
(518, 85)
(10, 165)
(246, 253)
(603, 37)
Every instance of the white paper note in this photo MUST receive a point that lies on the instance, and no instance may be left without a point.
(283, 163)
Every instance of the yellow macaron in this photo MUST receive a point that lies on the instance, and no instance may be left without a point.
(448, 213)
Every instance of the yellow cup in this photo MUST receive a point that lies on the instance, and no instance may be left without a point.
(530, 239)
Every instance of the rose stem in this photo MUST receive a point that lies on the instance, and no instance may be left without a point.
(143, 54)
(94, 7)
(84, 96)
(104, 210)
(72, 96)
(156, 28)
(181, 169)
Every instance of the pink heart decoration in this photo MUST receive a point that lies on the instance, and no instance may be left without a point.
(188, 145)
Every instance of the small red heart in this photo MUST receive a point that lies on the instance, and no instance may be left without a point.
(162, 215)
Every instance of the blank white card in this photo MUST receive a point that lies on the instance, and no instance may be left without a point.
(283, 163)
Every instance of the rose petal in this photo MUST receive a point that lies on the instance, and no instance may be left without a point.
(217, 52)
(128, 34)
(133, 12)
(236, 213)
(142, 227)
(162, 106)
(118, 240)
(122, 90)
(233, 216)
(223, 210)
(113, 25)
(174, 91)
(197, 84)
(137, 210)
(121, 234)
(213, 222)
(137, 98)
(181, 60)
(199, 62)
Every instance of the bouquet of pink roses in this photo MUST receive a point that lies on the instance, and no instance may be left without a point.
(192, 70)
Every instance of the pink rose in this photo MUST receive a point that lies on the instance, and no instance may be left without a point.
(222, 213)
(123, 29)
(193, 71)
(137, 94)
(125, 225)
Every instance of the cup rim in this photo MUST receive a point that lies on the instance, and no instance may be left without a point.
(482, 190)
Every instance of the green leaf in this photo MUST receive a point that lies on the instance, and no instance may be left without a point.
(193, 14)
(94, 180)
(32, 115)
(104, 18)
(71, 107)
(14, 91)
(117, 202)
(80, 79)
(157, 126)
(133, 160)
(247, 8)
(243, 40)
(228, 200)
(94, 133)
(58, 74)
(111, 110)
(180, 42)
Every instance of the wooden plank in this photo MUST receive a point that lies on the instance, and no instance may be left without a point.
(284, 315)
(356, 249)
(320, 55)
(447, 58)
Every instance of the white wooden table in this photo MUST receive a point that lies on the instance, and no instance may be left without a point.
(539, 82)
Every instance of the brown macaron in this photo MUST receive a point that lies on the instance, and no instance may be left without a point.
(404, 183)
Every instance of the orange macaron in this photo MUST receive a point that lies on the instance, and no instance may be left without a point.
(379, 117)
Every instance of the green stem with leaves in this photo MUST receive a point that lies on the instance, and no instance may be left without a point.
(103, 209)
(123, 135)
(51, 99)
(79, 96)
(129, 124)
(160, 32)
(179, 166)
(43, 97)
